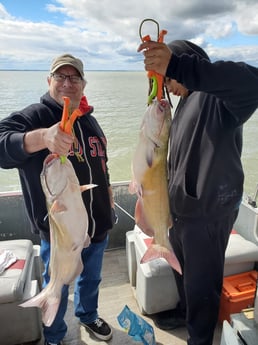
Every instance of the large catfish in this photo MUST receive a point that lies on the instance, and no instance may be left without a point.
(68, 221)
(150, 182)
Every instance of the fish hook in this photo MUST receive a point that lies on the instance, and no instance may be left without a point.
(145, 38)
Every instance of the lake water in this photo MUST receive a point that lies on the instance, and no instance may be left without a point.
(119, 100)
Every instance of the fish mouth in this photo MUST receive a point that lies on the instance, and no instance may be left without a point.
(55, 184)
(154, 136)
(50, 158)
(163, 104)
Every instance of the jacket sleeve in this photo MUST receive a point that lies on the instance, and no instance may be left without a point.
(234, 83)
(12, 131)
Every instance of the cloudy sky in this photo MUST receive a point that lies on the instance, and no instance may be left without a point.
(105, 34)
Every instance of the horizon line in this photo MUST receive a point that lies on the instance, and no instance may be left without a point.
(89, 70)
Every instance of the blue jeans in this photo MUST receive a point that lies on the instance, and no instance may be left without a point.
(86, 289)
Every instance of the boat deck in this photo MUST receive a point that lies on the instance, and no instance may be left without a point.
(115, 293)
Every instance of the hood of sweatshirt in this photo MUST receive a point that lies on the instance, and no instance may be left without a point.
(180, 47)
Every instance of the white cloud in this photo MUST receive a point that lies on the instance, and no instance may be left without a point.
(3, 13)
(247, 18)
(105, 33)
(220, 28)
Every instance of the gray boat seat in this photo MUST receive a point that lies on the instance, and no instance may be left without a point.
(241, 255)
(19, 282)
(154, 282)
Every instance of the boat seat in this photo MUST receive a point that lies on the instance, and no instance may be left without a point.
(154, 282)
(240, 255)
(19, 282)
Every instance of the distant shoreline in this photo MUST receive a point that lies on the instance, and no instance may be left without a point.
(89, 70)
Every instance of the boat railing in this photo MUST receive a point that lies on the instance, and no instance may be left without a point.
(14, 223)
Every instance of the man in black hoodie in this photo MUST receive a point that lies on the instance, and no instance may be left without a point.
(26, 138)
(205, 170)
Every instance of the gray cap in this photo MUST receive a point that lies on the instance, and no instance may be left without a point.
(67, 59)
(180, 47)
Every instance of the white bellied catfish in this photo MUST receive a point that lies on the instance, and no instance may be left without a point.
(150, 182)
(68, 221)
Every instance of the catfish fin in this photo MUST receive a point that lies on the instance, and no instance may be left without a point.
(150, 153)
(141, 220)
(85, 187)
(132, 188)
(156, 251)
(48, 305)
(57, 207)
(87, 241)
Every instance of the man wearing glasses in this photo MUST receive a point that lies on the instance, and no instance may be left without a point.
(26, 138)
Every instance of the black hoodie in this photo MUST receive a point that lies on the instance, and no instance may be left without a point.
(88, 156)
(205, 170)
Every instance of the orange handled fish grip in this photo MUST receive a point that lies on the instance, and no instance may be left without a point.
(157, 79)
(65, 115)
(67, 120)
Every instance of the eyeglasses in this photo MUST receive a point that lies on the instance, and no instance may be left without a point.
(60, 78)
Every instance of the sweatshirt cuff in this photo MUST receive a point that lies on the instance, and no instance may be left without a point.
(17, 141)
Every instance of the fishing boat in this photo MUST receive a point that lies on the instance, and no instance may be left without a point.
(147, 289)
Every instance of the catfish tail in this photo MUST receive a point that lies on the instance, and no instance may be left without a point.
(48, 304)
(156, 251)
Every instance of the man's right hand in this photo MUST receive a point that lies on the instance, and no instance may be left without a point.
(52, 138)
(157, 56)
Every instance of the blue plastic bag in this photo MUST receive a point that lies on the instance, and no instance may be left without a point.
(136, 327)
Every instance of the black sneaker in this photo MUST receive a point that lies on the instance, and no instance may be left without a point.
(170, 319)
(99, 328)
